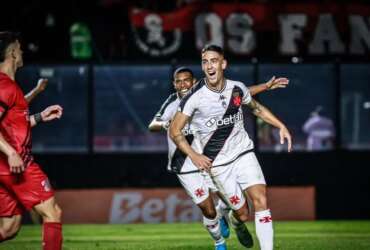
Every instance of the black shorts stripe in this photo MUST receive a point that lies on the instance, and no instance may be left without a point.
(221, 165)
(179, 157)
(219, 137)
(168, 101)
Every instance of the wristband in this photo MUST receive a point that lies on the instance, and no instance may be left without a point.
(38, 117)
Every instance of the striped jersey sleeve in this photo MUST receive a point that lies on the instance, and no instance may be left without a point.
(247, 98)
(189, 102)
(164, 113)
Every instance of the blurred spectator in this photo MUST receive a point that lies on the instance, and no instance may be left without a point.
(320, 131)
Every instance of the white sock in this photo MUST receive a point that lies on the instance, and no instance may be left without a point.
(264, 231)
(222, 208)
(214, 229)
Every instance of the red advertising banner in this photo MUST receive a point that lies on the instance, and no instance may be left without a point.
(168, 205)
(305, 29)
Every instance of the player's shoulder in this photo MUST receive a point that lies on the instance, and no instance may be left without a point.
(195, 90)
(170, 101)
(236, 83)
(6, 83)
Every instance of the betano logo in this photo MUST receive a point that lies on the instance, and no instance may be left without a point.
(149, 207)
(228, 120)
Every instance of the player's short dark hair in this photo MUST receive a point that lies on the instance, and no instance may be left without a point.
(182, 70)
(7, 38)
(213, 47)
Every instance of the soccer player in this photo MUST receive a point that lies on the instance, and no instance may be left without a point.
(22, 182)
(222, 147)
(197, 184)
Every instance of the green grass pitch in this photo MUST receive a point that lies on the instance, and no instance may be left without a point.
(313, 235)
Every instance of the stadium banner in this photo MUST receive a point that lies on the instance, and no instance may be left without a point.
(304, 29)
(123, 206)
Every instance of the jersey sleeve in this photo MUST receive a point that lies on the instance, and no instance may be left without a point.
(247, 98)
(8, 95)
(168, 113)
(188, 105)
(164, 113)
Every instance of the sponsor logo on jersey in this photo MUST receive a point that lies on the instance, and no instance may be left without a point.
(228, 120)
(186, 132)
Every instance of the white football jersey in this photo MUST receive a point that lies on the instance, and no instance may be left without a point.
(176, 158)
(217, 118)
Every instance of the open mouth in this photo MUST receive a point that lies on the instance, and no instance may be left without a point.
(184, 91)
(212, 75)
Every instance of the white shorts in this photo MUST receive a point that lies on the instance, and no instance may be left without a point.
(197, 185)
(232, 179)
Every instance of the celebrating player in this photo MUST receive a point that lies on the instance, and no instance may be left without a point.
(197, 184)
(221, 145)
(22, 182)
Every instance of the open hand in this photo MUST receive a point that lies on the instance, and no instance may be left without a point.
(15, 163)
(52, 112)
(275, 83)
(42, 84)
(284, 134)
(202, 162)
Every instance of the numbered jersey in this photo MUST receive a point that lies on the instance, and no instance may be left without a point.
(176, 158)
(217, 118)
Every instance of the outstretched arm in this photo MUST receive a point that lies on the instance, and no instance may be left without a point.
(49, 114)
(157, 125)
(176, 127)
(273, 83)
(266, 115)
(40, 87)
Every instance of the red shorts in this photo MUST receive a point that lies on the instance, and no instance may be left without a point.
(23, 191)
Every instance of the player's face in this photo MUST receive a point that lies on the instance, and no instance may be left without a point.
(183, 82)
(213, 66)
(17, 54)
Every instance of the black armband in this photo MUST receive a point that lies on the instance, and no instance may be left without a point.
(38, 117)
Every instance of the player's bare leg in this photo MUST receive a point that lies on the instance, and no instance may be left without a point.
(52, 227)
(211, 222)
(9, 227)
(263, 220)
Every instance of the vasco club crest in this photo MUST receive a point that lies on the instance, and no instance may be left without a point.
(155, 34)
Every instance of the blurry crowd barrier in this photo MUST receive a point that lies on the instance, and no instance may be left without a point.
(122, 206)
(107, 108)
